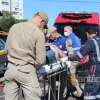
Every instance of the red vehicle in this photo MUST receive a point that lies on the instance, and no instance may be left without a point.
(79, 21)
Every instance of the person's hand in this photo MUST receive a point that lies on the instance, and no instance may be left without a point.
(70, 54)
(61, 54)
(47, 44)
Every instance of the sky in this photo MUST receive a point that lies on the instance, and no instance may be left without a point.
(54, 7)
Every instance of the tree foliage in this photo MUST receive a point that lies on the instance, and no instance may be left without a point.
(20, 20)
(6, 21)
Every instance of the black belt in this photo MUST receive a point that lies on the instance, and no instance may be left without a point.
(19, 64)
(13, 63)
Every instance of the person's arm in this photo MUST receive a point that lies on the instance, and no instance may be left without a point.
(76, 43)
(86, 49)
(40, 51)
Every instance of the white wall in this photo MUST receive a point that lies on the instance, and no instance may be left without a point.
(16, 5)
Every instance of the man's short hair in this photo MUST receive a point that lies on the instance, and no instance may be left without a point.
(43, 15)
(68, 27)
(52, 29)
(91, 31)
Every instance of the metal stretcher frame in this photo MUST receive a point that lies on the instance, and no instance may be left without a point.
(54, 92)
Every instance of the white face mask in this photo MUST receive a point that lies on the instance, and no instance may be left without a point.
(66, 33)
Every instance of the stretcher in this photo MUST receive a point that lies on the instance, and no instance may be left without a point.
(55, 75)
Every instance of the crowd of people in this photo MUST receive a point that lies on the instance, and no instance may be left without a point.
(27, 50)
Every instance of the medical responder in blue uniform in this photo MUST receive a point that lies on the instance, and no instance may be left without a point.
(69, 34)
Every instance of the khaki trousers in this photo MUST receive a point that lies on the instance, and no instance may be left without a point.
(24, 77)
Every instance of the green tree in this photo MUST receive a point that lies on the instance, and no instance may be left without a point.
(20, 20)
(6, 21)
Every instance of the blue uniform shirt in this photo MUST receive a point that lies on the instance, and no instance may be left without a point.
(60, 42)
(76, 44)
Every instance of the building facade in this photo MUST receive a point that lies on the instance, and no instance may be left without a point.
(0, 6)
(15, 7)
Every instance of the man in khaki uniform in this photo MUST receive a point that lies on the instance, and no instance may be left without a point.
(26, 52)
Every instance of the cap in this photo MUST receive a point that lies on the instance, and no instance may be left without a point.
(51, 30)
(43, 15)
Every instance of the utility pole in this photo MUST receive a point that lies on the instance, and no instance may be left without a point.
(10, 6)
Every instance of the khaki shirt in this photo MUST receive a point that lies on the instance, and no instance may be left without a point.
(25, 44)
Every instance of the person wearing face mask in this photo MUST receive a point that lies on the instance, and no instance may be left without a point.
(26, 53)
(71, 39)
(72, 45)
